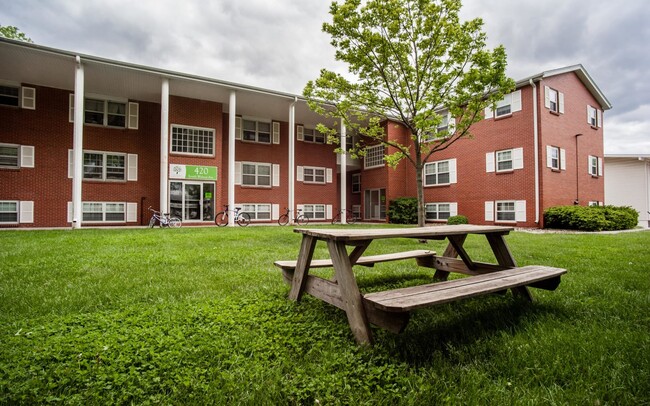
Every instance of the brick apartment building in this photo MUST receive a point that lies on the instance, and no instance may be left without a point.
(189, 145)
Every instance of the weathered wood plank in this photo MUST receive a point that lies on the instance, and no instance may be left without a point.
(434, 232)
(302, 267)
(411, 298)
(446, 264)
(368, 261)
(504, 257)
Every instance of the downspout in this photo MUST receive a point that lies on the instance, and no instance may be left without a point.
(292, 160)
(536, 147)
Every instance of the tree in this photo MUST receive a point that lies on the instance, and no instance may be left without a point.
(413, 62)
(12, 32)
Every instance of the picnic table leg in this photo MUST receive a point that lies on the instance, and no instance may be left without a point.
(504, 257)
(302, 267)
(450, 252)
(350, 293)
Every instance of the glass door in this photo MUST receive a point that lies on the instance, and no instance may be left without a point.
(192, 201)
(375, 204)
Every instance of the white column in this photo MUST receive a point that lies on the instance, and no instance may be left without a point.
(292, 160)
(164, 146)
(344, 173)
(77, 144)
(232, 109)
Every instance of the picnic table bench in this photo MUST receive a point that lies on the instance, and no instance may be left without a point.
(391, 309)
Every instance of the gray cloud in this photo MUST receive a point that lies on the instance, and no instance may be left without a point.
(279, 44)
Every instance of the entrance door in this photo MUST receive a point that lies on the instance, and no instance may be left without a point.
(192, 201)
(375, 204)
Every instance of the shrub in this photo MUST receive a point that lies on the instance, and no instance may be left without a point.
(591, 218)
(457, 220)
(403, 210)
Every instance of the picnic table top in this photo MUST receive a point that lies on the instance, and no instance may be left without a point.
(352, 234)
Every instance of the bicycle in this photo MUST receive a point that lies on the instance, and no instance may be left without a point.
(349, 217)
(221, 219)
(163, 219)
(300, 218)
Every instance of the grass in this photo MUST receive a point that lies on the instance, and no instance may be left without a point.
(201, 316)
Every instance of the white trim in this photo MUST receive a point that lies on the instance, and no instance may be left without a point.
(17, 204)
(515, 104)
(238, 128)
(453, 209)
(518, 158)
(164, 146)
(193, 128)
(489, 211)
(300, 133)
(520, 210)
(28, 98)
(71, 108)
(489, 162)
(562, 159)
(131, 167)
(27, 158)
(328, 212)
(276, 175)
(560, 96)
(373, 149)
(238, 169)
(26, 212)
(257, 175)
(71, 163)
(452, 171)
(300, 175)
(255, 213)
(275, 211)
(328, 175)
(276, 132)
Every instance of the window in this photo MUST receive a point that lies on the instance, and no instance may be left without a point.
(594, 117)
(506, 211)
(443, 129)
(314, 211)
(356, 183)
(510, 103)
(103, 212)
(374, 157)
(105, 112)
(254, 174)
(9, 95)
(439, 211)
(440, 173)
(595, 166)
(256, 131)
(594, 203)
(553, 102)
(104, 166)
(192, 140)
(192, 201)
(313, 175)
(8, 212)
(9, 157)
(554, 157)
(256, 211)
(313, 135)
(504, 160)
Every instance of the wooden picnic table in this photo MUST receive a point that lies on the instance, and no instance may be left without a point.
(391, 309)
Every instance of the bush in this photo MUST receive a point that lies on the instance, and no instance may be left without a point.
(591, 218)
(403, 210)
(457, 220)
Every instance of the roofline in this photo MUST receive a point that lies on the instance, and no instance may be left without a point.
(151, 70)
(634, 156)
(582, 73)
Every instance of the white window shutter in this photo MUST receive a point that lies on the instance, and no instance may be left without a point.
(26, 156)
(28, 99)
(520, 210)
(560, 96)
(237, 173)
(547, 98)
(516, 101)
(518, 158)
(589, 114)
(276, 175)
(452, 171)
(600, 166)
(69, 212)
(489, 211)
(451, 124)
(238, 128)
(562, 159)
(549, 156)
(70, 163)
(276, 132)
(134, 114)
(328, 212)
(131, 212)
(71, 108)
(275, 211)
(132, 169)
(599, 117)
(300, 174)
(26, 212)
(489, 162)
(453, 209)
(328, 176)
(488, 112)
(300, 133)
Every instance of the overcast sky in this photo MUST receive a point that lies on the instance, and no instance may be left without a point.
(279, 45)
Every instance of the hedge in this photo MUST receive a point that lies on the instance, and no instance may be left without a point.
(591, 218)
(403, 210)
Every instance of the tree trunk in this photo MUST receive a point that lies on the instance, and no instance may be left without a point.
(419, 186)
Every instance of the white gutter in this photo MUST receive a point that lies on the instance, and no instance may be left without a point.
(164, 146)
(536, 147)
(232, 110)
(292, 159)
(344, 173)
(77, 144)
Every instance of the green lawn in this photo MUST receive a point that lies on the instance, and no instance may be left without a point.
(201, 316)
